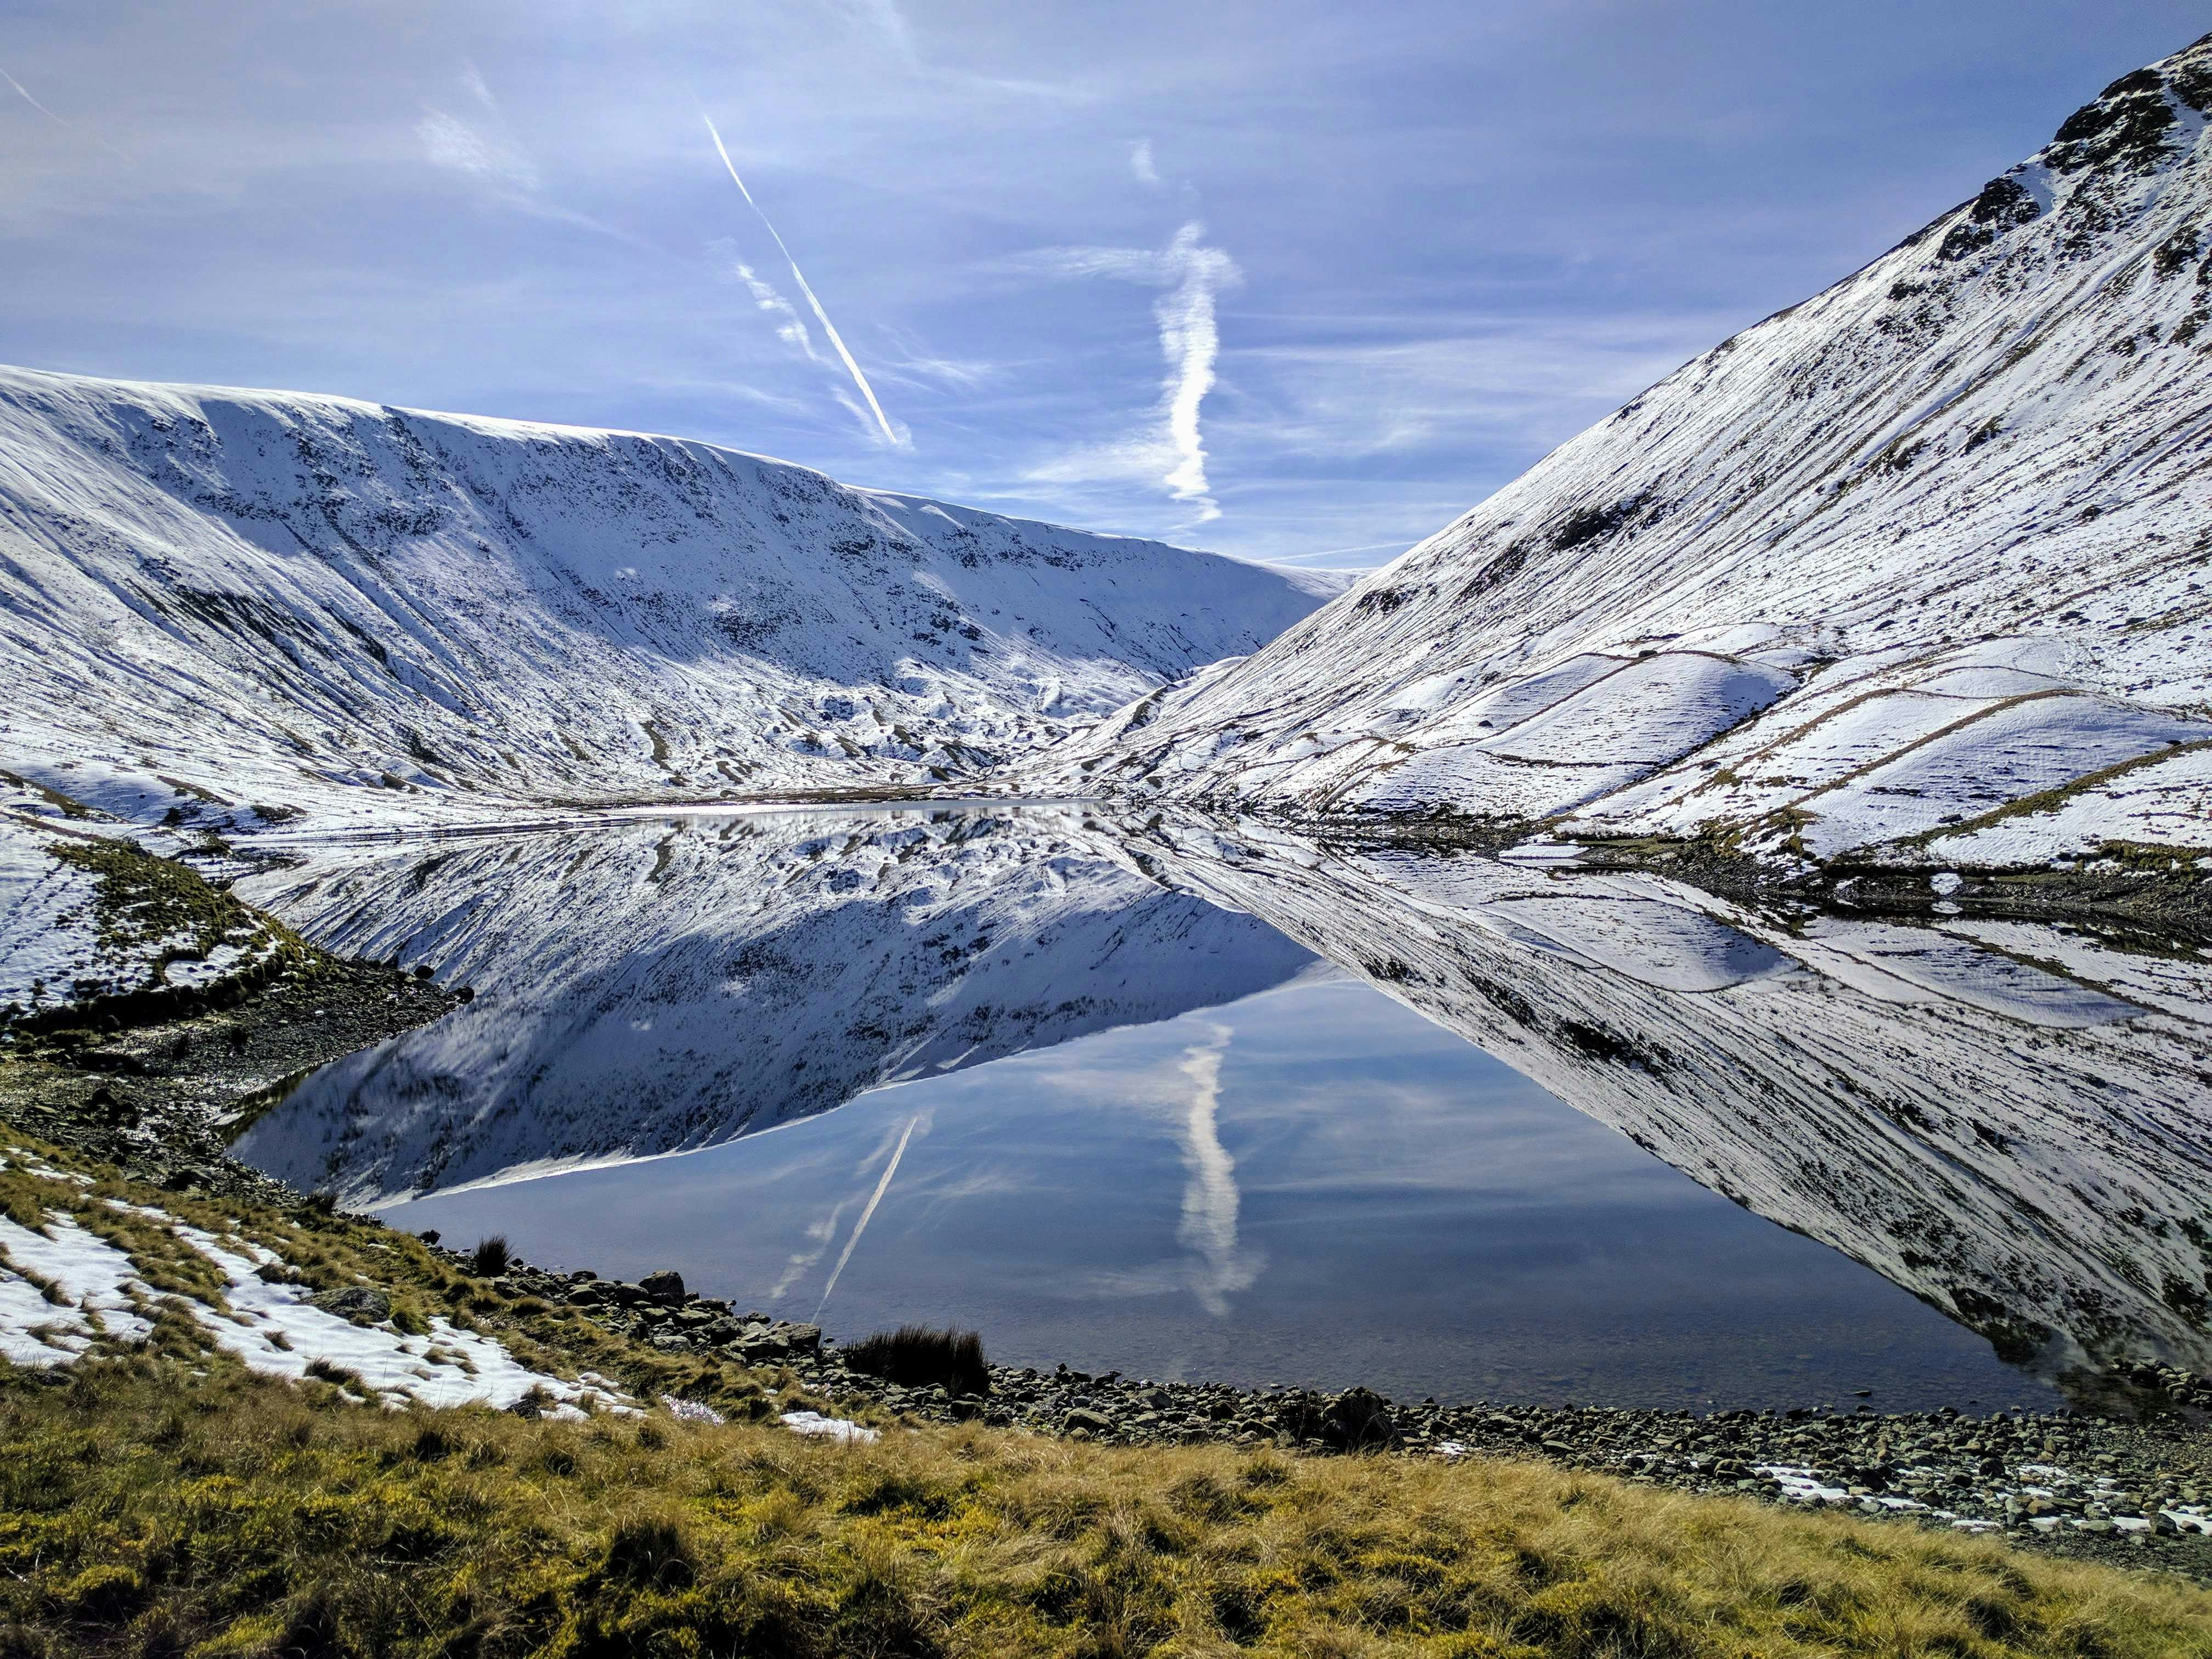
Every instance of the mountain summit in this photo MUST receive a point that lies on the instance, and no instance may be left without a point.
(1917, 569)
(214, 601)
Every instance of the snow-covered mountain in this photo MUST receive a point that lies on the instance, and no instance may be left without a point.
(213, 600)
(661, 986)
(1920, 568)
(2013, 1121)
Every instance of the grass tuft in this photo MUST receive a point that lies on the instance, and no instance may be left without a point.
(490, 1257)
(916, 1357)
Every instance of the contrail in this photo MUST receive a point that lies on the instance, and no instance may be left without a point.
(1190, 341)
(889, 1168)
(65, 125)
(827, 327)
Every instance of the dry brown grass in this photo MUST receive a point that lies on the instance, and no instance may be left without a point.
(143, 1509)
(165, 1503)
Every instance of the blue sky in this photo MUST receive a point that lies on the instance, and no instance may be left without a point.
(1291, 281)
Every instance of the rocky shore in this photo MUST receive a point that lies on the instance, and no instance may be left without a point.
(160, 1101)
(161, 1097)
(2137, 1492)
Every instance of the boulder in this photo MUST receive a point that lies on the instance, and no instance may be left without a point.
(1359, 1420)
(664, 1286)
(1096, 1423)
(355, 1302)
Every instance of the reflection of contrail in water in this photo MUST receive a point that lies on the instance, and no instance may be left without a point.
(820, 1233)
(827, 327)
(861, 1226)
(1210, 1199)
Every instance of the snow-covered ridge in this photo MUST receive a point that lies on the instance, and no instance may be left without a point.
(213, 601)
(1921, 568)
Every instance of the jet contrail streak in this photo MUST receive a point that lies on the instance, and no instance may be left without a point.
(25, 93)
(65, 125)
(874, 1198)
(799, 276)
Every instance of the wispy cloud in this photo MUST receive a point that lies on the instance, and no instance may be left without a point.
(453, 144)
(482, 150)
(790, 327)
(883, 20)
(1140, 163)
(1190, 341)
(1507, 379)
(896, 439)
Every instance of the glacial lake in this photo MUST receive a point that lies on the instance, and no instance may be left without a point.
(1211, 1100)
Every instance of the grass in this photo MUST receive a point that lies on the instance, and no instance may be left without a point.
(489, 1258)
(914, 1356)
(146, 1511)
(149, 912)
(164, 1502)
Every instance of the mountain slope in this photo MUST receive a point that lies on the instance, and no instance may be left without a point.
(1922, 565)
(217, 599)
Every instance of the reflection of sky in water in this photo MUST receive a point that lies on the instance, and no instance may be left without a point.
(1312, 1185)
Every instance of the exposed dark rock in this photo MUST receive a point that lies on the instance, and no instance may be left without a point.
(355, 1302)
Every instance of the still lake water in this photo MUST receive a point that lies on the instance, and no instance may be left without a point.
(1215, 1102)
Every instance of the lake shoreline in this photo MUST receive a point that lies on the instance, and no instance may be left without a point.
(2148, 894)
(126, 1096)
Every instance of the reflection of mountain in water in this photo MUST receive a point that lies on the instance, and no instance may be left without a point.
(651, 988)
(2013, 1122)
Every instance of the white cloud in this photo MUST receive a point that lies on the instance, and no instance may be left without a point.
(472, 80)
(451, 144)
(1190, 341)
(1140, 163)
(790, 327)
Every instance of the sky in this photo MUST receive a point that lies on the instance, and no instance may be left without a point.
(1294, 281)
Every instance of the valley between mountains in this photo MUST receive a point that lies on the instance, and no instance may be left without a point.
(1806, 772)
(1914, 573)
